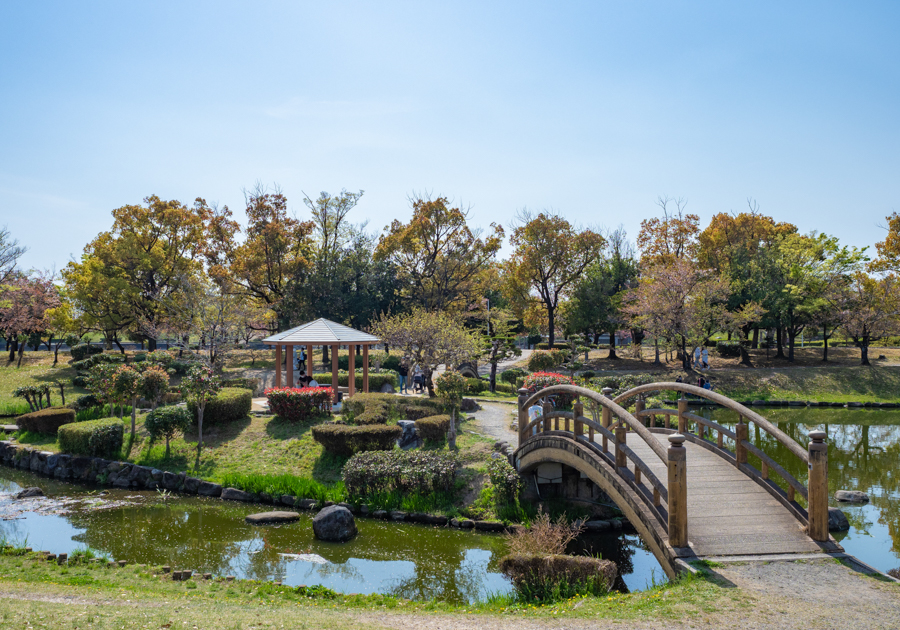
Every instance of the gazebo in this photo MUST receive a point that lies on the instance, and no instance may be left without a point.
(323, 332)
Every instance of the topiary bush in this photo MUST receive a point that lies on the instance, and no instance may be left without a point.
(539, 380)
(244, 383)
(46, 421)
(409, 472)
(512, 375)
(81, 351)
(433, 428)
(728, 349)
(475, 386)
(231, 403)
(84, 402)
(299, 404)
(166, 423)
(94, 438)
(345, 440)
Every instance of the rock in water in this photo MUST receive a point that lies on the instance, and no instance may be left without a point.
(272, 517)
(334, 524)
(29, 492)
(837, 521)
(851, 496)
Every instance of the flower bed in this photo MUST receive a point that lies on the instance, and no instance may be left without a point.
(299, 404)
(539, 380)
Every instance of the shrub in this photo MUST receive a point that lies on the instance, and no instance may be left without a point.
(46, 421)
(83, 350)
(433, 428)
(298, 404)
(512, 375)
(728, 349)
(588, 374)
(539, 380)
(85, 402)
(409, 472)
(391, 362)
(541, 360)
(345, 440)
(377, 380)
(375, 413)
(95, 438)
(81, 381)
(623, 382)
(414, 412)
(244, 383)
(539, 577)
(166, 422)
(506, 481)
(97, 359)
(475, 386)
(356, 404)
(505, 388)
(556, 346)
(344, 362)
(231, 403)
(154, 384)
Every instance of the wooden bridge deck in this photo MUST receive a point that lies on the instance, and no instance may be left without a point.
(728, 512)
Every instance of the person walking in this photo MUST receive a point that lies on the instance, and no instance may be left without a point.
(697, 356)
(704, 356)
(418, 380)
(403, 371)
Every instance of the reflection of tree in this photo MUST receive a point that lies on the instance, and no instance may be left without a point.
(447, 575)
(618, 548)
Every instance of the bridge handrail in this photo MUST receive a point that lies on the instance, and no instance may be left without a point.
(690, 416)
(771, 463)
(658, 486)
(726, 402)
(621, 413)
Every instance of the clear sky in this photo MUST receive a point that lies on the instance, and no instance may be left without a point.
(592, 109)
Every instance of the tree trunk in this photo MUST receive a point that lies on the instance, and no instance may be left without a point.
(324, 354)
(21, 354)
(864, 352)
(62, 392)
(151, 344)
(167, 446)
(612, 345)
(451, 433)
(791, 337)
(656, 360)
(551, 321)
(745, 356)
(133, 414)
(121, 347)
(754, 344)
(685, 357)
(200, 409)
(429, 383)
(779, 342)
(824, 345)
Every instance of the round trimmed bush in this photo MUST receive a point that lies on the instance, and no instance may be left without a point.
(511, 375)
(46, 421)
(433, 428)
(345, 440)
(82, 351)
(94, 438)
(231, 403)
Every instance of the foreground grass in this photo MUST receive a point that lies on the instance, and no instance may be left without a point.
(36, 593)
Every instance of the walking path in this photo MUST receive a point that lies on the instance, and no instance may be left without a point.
(494, 420)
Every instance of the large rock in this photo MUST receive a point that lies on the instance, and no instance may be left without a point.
(29, 492)
(837, 520)
(468, 405)
(335, 524)
(851, 496)
(409, 438)
(209, 489)
(191, 485)
(272, 517)
(233, 494)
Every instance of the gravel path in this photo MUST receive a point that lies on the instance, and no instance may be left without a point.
(494, 421)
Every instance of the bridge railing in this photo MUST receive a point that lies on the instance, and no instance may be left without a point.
(673, 494)
(815, 456)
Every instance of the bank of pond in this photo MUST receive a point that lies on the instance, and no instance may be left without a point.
(417, 561)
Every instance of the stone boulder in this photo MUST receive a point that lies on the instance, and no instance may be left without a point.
(837, 520)
(209, 489)
(29, 492)
(334, 524)
(468, 405)
(851, 496)
(264, 518)
(233, 494)
(408, 438)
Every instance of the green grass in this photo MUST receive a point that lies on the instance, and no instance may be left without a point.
(278, 485)
(843, 384)
(12, 377)
(437, 503)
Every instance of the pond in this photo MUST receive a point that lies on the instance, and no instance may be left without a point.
(209, 535)
(863, 454)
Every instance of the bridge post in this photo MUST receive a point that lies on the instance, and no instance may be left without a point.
(742, 433)
(621, 433)
(818, 487)
(682, 409)
(638, 408)
(605, 420)
(578, 410)
(548, 409)
(678, 518)
(523, 415)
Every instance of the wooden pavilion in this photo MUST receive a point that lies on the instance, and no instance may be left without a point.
(322, 332)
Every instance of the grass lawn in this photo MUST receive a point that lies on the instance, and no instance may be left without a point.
(41, 594)
(37, 369)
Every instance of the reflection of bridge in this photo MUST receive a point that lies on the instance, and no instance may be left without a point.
(686, 483)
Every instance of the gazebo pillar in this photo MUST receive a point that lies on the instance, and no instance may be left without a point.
(366, 368)
(278, 365)
(290, 365)
(351, 368)
(334, 370)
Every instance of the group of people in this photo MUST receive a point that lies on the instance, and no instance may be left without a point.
(418, 378)
(701, 358)
(705, 383)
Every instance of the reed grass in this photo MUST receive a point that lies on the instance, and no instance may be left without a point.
(278, 485)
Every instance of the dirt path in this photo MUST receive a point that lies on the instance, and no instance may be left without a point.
(493, 420)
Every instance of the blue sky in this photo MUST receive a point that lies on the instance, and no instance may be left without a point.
(592, 109)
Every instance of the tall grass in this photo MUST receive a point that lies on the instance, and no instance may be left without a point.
(12, 547)
(437, 502)
(104, 411)
(10, 408)
(277, 485)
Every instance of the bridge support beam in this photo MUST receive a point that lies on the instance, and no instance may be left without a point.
(678, 517)
(818, 487)
(523, 416)
(682, 409)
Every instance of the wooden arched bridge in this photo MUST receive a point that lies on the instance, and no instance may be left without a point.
(682, 480)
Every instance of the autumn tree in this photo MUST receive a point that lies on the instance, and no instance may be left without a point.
(872, 311)
(24, 303)
(429, 339)
(550, 255)
(670, 236)
(439, 260)
(888, 259)
(10, 252)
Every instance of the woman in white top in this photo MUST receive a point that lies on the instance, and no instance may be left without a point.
(705, 356)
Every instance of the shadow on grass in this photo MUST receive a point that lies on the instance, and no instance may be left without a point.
(215, 435)
(328, 467)
(280, 429)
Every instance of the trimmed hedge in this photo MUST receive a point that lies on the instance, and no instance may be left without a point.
(84, 350)
(298, 404)
(546, 346)
(409, 472)
(433, 428)
(243, 383)
(476, 385)
(345, 440)
(231, 403)
(728, 349)
(377, 380)
(46, 421)
(94, 438)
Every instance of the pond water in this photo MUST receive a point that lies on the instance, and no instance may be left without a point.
(209, 535)
(863, 454)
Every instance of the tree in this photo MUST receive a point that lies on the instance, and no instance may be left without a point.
(127, 388)
(64, 325)
(24, 302)
(499, 343)
(451, 386)
(550, 255)
(167, 422)
(673, 236)
(429, 339)
(200, 386)
(677, 301)
(10, 252)
(439, 260)
(888, 259)
(872, 311)
(154, 385)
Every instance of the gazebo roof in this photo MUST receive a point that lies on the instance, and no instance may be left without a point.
(321, 331)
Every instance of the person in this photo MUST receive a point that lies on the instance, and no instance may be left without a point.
(403, 371)
(418, 380)
(696, 355)
(701, 382)
(705, 358)
(302, 359)
(707, 386)
(303, 379)
(679, 380)
(313, 383)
